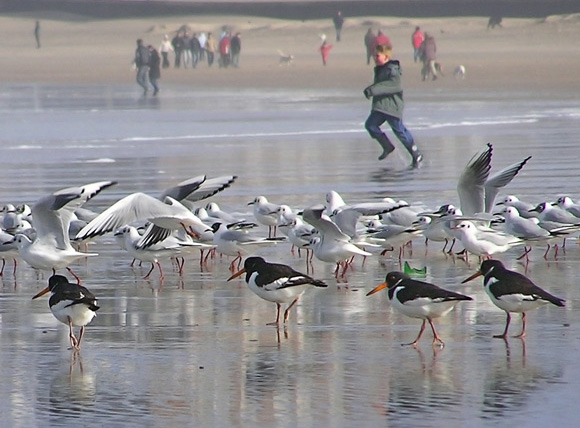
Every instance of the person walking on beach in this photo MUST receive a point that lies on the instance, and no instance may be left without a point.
(210, 48)
(225, 51)
(324, 51)
(369, 39)
(202, 37)
(177, 43)
(142, 64)
(236, 47)
(417, 40)
(338, 20)
(387, 105)
(154, 68)
(195, 47)
(37, 34)
(165, 48)
(429, 56)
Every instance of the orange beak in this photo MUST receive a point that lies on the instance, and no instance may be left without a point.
(475, 275)
(42, 293)
(379, 288)
(239, 273)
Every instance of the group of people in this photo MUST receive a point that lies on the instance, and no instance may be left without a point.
(190, 49)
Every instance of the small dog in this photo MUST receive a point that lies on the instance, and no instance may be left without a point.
(459, 72)
(439, 68)
(285, 59)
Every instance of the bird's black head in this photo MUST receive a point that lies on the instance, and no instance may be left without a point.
(252, 263)
(487, 266)
(55, 281)
(394, 278)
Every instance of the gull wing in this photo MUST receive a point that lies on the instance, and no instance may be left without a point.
(471, 185)
(501, 179)
(52, 214)
(137, 206)
(325, 226)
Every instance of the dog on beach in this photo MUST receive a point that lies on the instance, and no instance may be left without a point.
(285, 59)
(459, 72)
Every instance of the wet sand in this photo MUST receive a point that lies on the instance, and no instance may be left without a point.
(195, 349)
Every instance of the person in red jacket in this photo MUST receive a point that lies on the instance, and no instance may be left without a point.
(324, 51)
(225, 47)
(416, 40)
(380, 39)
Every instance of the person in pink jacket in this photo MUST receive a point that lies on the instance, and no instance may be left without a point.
(324, 51)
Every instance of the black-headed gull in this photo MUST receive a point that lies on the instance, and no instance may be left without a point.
(331, 245)
(52, 214)
(266, 213)
(477, 190)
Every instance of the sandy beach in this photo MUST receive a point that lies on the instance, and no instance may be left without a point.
(538, 54)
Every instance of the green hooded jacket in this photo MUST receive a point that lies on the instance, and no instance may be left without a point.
(386, 90)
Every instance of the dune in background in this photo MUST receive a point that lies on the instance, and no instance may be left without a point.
(526, 54)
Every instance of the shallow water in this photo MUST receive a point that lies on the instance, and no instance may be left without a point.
(194, 349)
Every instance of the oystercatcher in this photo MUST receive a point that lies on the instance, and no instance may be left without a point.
(512, 292)
(71, 304)
(418, 299)
(276, 283)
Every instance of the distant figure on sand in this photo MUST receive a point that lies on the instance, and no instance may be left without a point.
(369, 39)
(338, 20)
(154, 68)
(37, 34)
(417, 40)
(178, 46)
(210, 48)
(387, 105)
(429, 57)
(324, 51)
(225, 51)
(494, 20)
(236, 46)
(142, 64)
(165, 48)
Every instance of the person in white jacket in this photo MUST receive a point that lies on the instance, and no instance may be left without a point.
(165, 48)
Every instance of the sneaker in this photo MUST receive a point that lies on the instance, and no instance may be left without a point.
(417, 160)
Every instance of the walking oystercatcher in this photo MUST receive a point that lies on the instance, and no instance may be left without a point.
(71, 304)
(512, 292)
(418, 299)
(276, 283)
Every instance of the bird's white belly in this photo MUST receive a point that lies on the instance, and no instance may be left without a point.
(80, 314)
